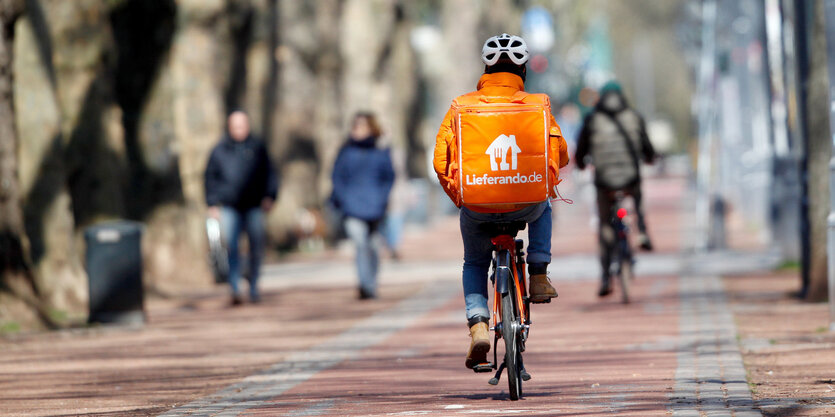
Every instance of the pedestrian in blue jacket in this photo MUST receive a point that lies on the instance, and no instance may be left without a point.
(362, 179)
(241, 187)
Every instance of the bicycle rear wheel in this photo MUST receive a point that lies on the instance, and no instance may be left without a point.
(625, 278)
(510, 334)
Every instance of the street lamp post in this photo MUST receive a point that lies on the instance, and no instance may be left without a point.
(706, 116)
(830, 239)
(830, 245)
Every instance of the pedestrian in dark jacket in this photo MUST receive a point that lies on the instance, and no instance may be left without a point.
(241, 187)
(362, 179)
(615, 141)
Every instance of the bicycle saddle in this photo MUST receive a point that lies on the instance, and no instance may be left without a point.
(503, 228)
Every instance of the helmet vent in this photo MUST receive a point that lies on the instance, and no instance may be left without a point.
(504, 46)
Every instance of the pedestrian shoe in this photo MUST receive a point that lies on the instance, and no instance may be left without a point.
(605, 287)
(237, 300)
(366, 295)
(479, 345)
(645, 243)
(541, 289)
(254, 298)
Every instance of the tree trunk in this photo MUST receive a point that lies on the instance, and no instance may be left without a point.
(47, 207)
(819, 150)
(15, 271)
(11, 215)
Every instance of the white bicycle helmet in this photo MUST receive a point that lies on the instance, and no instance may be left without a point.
(509, 46)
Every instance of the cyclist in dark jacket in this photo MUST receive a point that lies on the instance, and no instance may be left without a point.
(241, 187)
(615, 140)
(362, 179)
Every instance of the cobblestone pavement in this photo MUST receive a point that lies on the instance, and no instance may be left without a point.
(710, 377)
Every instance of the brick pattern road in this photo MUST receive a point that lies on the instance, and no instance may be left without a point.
(710, 377)
(310, 349)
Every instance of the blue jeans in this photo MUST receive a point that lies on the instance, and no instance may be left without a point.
(361, 232)
(233, 223)
(393, 230)
(478, 249)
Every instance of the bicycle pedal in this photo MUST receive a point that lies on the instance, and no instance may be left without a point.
(483, 367)
(545, 301)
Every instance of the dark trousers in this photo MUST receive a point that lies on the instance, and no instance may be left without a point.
(234, 222)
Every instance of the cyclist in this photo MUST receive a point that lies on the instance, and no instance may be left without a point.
(613, 138)
(505, 59)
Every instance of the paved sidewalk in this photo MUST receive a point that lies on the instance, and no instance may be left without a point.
(302, 365)
(710, 377)
(788, 352)
(311, 349)
(673, 350)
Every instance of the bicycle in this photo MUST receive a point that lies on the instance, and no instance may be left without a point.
(218, 259)
(622, 260)
(511, 306)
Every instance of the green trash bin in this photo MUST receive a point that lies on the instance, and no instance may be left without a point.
(114, 272)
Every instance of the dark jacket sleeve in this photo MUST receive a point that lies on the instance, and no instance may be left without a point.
(338, 179)
(387, 173)
(647, 150)
(273, 179)
(584, 142)
(212, 179)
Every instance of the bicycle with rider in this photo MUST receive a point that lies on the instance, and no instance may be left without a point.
(505, 57)
(614, 139)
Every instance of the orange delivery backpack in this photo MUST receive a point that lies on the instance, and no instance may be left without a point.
(502, 150)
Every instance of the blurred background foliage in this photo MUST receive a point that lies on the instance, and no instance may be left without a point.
(117, 104)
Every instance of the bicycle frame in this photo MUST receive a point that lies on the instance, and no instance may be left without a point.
(622, 248)
(509, 282)
(621, 259)
(508, 269)
(511, 306)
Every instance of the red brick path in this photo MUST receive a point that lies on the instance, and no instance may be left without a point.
(587, 357)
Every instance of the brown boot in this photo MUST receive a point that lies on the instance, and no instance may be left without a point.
(541, 289)
(479, 345)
